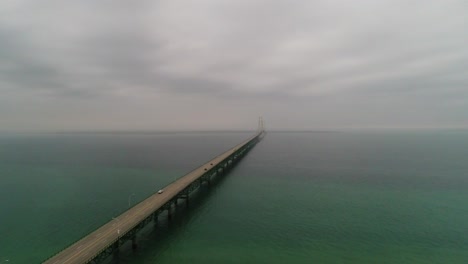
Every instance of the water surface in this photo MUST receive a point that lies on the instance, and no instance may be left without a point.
(295, 198)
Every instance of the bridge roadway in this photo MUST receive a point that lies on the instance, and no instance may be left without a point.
(84, 250)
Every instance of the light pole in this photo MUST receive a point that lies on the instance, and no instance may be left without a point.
(130, 199)
(118, 228)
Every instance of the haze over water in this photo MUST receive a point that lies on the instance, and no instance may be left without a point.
(330, 197)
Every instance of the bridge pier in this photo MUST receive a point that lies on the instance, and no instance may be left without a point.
(116, 248)
(134, 243)
(169, 215)
(156, 218)
(185, 197)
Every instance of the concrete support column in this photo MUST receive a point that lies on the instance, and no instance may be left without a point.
(116, 247)
(155, 218)
(186, 199)
(134, 243)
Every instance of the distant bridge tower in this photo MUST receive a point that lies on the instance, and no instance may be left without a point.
(261, 125)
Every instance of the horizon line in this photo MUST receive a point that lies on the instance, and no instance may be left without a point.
(150, 131)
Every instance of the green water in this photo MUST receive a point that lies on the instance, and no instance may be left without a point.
(295, 198)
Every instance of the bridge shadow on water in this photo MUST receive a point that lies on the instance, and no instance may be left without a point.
(156, 238)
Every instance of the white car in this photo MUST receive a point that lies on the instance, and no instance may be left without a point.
(160, 191)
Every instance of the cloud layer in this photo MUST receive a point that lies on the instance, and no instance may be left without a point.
(208, 64)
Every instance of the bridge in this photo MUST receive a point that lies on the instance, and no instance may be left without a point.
(106, 240)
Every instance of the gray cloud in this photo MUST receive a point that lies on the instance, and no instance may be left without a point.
(218, 64)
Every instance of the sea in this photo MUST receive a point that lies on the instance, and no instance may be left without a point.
(321, 197)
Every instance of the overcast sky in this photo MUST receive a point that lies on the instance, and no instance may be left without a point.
(219, 64)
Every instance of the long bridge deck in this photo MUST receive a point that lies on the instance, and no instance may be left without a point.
(106, 240)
